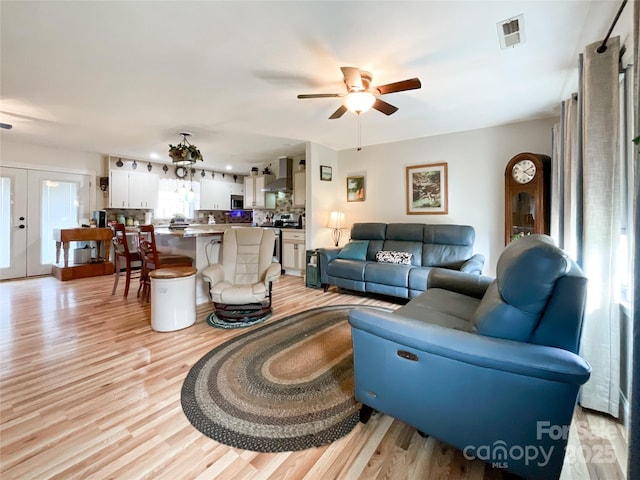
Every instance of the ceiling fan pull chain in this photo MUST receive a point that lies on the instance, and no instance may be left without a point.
(359, 132)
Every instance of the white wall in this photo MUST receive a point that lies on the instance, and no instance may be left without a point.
(23, 155)
(476, 161)
(322, 196)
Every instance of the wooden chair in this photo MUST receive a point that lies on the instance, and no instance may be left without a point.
(122, 253)
(152, 259)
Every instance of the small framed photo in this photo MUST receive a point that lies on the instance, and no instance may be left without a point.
(427, 189)
(355, 189)
(325, 173)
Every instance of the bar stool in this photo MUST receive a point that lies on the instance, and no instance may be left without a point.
(121, 252)
(153, 260)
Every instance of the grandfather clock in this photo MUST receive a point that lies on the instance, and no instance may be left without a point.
(527, 195)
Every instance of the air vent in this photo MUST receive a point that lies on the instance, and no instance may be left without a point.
(511, 32)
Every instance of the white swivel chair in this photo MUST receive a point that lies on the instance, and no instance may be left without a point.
(240, 284)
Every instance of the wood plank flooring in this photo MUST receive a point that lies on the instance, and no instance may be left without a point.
(88, 390)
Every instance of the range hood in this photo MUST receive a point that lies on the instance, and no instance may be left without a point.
(283, 182)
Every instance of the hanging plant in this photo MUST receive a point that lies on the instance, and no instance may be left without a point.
(184, 152)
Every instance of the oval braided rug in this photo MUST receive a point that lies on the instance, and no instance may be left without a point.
(282, 387)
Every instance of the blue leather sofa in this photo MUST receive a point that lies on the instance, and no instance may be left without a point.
(490, 366)
(429, 246)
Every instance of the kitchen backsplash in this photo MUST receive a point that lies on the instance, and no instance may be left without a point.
(284, 204)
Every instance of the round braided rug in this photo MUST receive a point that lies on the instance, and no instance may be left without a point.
(284, 386)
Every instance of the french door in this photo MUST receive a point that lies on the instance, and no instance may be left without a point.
(33, 203)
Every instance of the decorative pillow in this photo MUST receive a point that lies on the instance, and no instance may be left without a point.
(354, 250)
(390, 256)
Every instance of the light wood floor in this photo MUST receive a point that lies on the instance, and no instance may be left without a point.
(88, 390)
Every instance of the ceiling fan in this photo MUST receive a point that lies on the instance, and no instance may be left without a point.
(361, 96)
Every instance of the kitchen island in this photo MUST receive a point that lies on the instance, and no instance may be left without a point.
(201, 242)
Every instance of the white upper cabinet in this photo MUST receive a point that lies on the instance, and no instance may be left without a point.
(254, 196)
(299, 188)
(133, 189)
(215, 195)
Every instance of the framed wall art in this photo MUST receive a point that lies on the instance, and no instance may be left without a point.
(427, 189)
(325, 173)
(355, 189)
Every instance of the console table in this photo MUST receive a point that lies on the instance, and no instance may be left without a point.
(68, 271)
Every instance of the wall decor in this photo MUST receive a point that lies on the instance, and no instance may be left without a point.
(355, 189)
(325, 173)
(427, 189)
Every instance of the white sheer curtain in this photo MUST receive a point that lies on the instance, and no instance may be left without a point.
(586, 221)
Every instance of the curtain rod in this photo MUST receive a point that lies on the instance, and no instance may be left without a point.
(603, 48)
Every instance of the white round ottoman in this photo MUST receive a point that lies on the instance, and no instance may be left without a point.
(173, 298)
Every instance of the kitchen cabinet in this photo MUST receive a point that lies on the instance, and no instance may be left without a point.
(215, 195)
(293, 251)
(254, 197)
(299, 188)
(237, 188)
(133, 189)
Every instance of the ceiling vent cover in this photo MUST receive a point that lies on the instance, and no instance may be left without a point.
(511, 32)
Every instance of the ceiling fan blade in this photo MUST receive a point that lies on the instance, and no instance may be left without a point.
(410, 84)
(384, 107)
(338, 113)
(319, 95)
(352, 78)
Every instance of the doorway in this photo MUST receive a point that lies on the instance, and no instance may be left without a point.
(33, 203)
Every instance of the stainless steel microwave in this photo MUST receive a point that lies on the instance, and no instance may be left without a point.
(237, 202)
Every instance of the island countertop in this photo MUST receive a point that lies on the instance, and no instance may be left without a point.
(189, 232)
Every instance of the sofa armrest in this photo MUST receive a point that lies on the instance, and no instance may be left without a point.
(213, 274)
(272, 274)
(325, 256)
(474, 264)
(531, 360)
(468, 284)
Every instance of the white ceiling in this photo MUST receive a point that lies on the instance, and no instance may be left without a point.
(123, 78)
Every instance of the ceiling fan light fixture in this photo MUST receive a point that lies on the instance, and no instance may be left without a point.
(359, 102)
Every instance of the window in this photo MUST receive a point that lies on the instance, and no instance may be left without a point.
(177, 198)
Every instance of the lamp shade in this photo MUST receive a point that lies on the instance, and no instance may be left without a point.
(336, 220)
(359, 102)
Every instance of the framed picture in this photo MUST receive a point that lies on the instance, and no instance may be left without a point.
(325, 173)
(355, 189)
(427, 189)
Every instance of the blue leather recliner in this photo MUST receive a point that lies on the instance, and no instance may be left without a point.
(489, 366)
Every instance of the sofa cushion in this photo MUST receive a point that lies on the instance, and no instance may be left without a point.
(410, 232)
(350, 269)
(463, 235)
(368, 231)
(388, 274)
(495, 318)
(527, 271)
(390, 256)
(354, 250)
(447, 256)
(414, 248)
(418, 277)
(442, 307)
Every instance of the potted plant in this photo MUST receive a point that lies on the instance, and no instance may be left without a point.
(183, 152)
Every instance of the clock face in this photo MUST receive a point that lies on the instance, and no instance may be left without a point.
(524, 171)
(181, 172)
